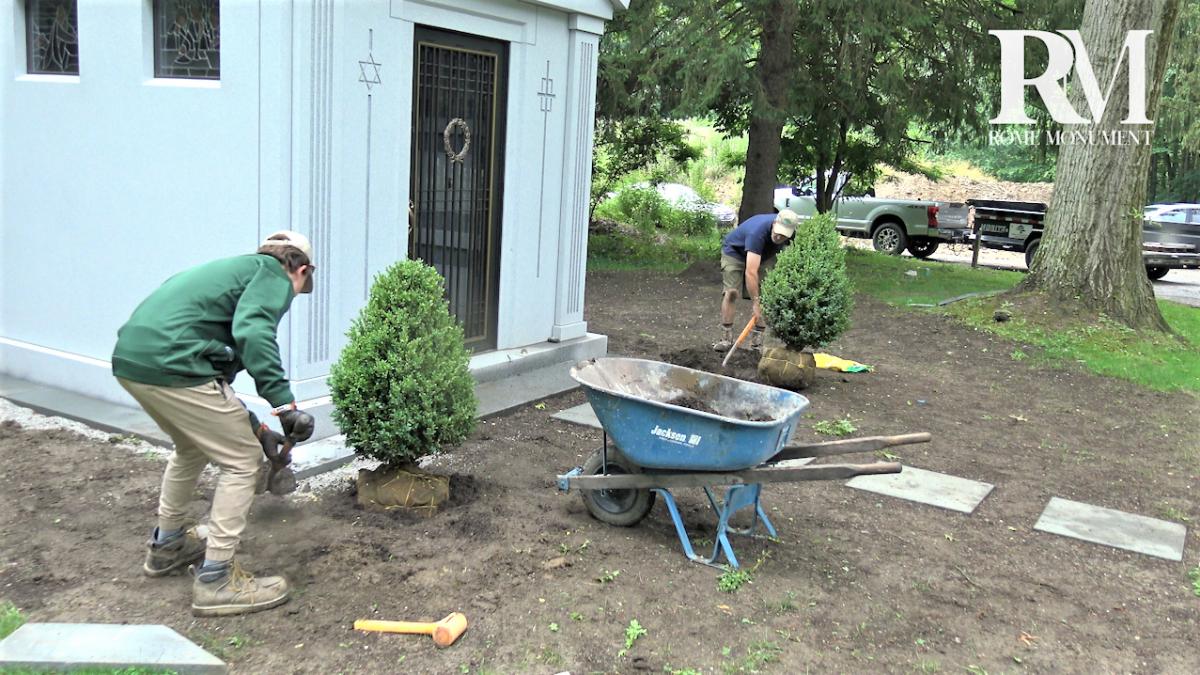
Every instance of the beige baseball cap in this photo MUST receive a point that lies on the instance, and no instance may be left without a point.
(299, 242)
(786, 222)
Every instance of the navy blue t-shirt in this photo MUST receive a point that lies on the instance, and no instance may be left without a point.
(752, 236)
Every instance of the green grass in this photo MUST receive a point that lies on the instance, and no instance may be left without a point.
(1107, 348)
(608, 252)
(885, 277)
(10, 619)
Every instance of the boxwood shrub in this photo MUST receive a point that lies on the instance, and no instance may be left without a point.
(401, 388)
(806, 299)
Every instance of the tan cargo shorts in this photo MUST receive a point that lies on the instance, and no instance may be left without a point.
(733, 273)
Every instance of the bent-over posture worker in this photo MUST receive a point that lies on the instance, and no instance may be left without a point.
(747, 254)
(177, 356)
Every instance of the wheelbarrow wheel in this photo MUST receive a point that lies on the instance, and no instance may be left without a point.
(623, 508)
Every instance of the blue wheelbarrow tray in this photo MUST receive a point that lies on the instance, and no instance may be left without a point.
(677, 427)
(637, 403)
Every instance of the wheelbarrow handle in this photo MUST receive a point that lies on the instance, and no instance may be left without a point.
(849, 445)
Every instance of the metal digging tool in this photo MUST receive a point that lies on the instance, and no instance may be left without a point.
(741, 338)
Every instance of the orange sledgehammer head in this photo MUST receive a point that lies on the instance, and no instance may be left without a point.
(444, 632)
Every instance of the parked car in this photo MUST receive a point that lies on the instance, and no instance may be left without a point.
(684, 197)
(892, 225)
(1170, 238)
(1170, 232)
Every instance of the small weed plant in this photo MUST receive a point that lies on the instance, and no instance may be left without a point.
(632, 632)
(1194, 576)
(608, 576)
(731, 580)
(842, 427)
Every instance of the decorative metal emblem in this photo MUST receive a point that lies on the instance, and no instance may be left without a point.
(456, 123)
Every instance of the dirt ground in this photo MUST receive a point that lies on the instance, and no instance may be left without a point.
(856, 583)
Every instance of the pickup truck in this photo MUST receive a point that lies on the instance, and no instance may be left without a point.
(892, 225)
(1170, 232)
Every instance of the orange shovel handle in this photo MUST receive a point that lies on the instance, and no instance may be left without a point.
(741, 338)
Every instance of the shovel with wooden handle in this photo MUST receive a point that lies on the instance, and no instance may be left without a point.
(741, 338)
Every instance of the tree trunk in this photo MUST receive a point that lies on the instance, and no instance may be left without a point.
(1092, 248)
(772, 74)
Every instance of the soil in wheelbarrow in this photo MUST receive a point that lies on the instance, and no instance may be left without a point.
(856, 583)
(693, 403)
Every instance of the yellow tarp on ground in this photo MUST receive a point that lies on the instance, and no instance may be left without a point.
(831, 362)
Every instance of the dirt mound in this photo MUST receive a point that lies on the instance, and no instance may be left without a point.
(743, 365)
(960, 189)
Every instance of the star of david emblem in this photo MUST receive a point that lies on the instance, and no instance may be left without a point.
(370, 71)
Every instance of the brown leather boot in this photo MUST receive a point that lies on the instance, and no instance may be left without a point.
(229, 590)
(184, 549)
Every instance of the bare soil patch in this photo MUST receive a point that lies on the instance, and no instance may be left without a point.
(857, 583)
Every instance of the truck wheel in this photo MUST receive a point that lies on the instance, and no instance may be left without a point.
(1156, 273)
(1030, 251)
(922, 247)
(623, 508)
(890, 238)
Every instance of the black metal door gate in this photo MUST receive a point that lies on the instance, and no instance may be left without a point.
(459, 94)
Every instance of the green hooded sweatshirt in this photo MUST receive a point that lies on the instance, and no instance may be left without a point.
(210, 322)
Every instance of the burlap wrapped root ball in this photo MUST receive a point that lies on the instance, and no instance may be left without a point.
(806, 300)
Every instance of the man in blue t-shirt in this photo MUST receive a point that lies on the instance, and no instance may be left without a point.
(748, 253)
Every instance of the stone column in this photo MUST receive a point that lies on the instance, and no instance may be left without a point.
(580, 120)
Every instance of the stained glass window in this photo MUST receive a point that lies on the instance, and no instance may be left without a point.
(52, 37)
(187, 39)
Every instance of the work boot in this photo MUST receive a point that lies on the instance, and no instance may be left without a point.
(756, 340)
(165, 557)
(224, 590)
(726, 342)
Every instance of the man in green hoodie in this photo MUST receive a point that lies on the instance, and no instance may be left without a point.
(177, 356)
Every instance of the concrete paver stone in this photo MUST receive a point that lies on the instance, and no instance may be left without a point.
(1110, 527)
(72, 646)
(927, 487)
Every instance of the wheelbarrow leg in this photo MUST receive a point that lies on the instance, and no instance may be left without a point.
(737, 498)
(684, 539)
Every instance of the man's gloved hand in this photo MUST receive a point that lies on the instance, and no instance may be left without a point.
(297, 425)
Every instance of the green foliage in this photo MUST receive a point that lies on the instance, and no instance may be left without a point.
(632, 632)
(1016, 163)
(401, 388)
(731, 580)
(806, 299)
(646, 210)
(10, 619)
(1194, 577)
(624, 146)
(842, 427)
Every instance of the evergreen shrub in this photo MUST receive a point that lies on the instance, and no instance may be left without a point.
(401, 388)
(806, 299)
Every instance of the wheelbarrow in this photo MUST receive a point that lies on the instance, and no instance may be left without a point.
(666, 426)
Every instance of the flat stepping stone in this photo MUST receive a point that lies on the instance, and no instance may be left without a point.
(581, 414)
(927, 487)
(73, 646)
(1128, 531)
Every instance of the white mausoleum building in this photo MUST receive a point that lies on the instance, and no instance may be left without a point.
(145, 136)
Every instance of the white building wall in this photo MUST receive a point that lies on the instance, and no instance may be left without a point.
(113, 181)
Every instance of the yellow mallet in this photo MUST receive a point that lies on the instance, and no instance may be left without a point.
(444, 632)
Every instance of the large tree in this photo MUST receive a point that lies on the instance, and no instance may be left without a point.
(826, 85)
(1092, 248)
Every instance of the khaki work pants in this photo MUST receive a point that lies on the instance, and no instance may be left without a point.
(207, 424)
